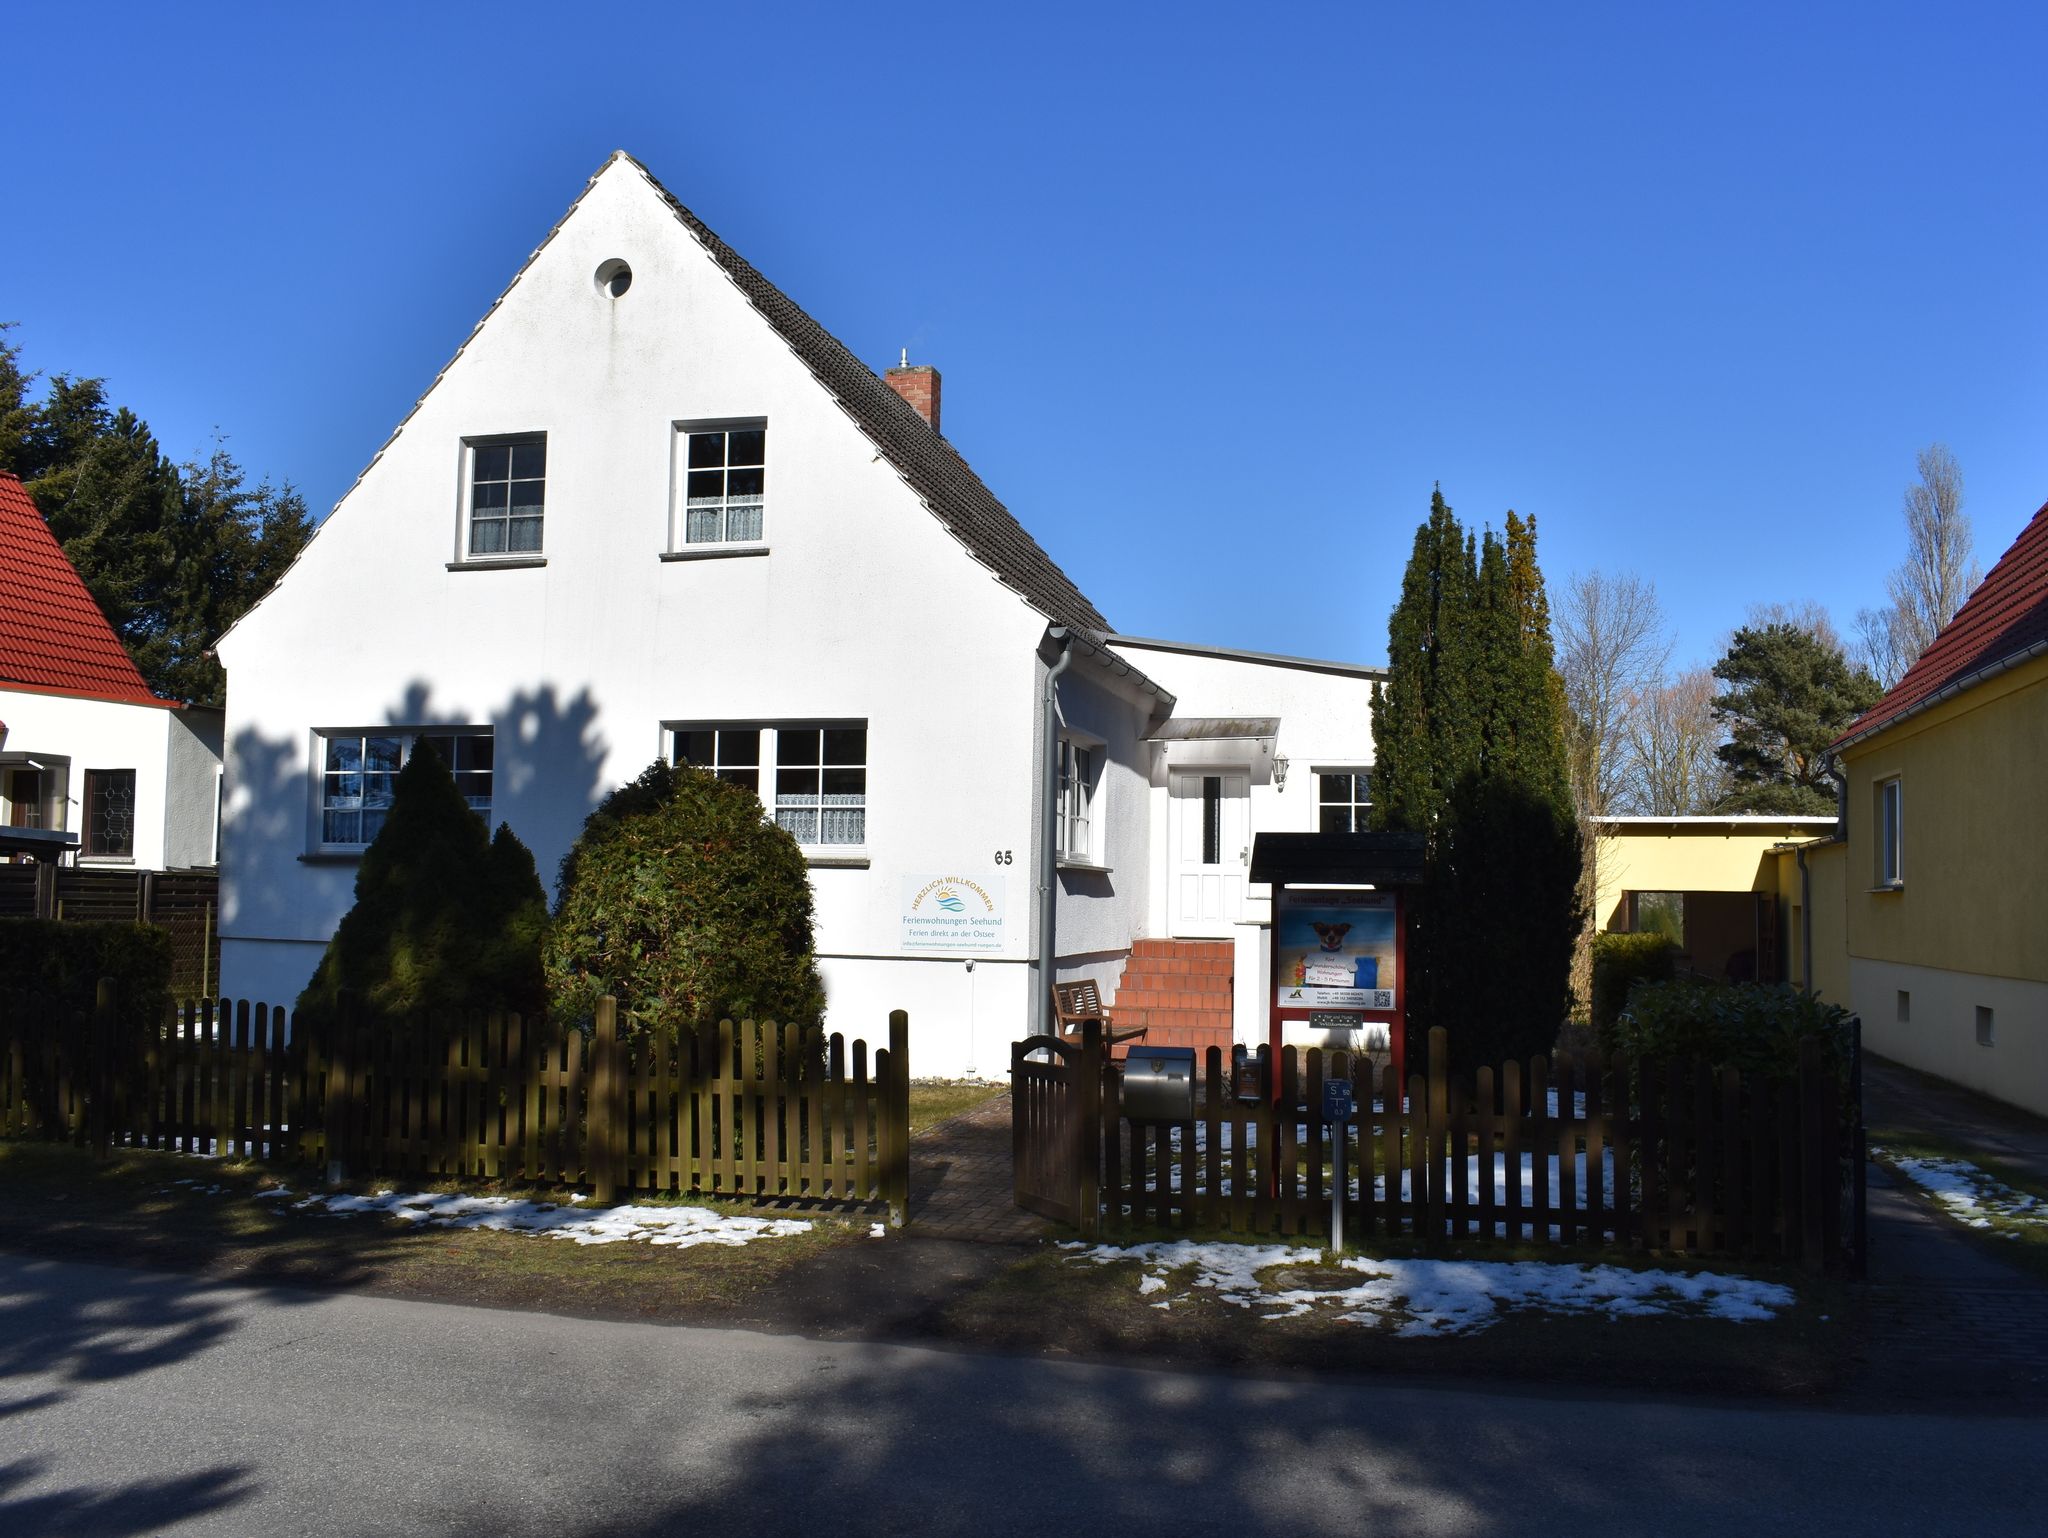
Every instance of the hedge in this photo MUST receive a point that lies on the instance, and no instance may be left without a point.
(66, 960)
(1620, 961)
(1754, 1027)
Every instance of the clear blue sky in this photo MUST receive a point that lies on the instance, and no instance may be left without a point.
(1217, 292)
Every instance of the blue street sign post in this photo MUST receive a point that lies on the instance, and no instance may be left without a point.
(1338, 1106)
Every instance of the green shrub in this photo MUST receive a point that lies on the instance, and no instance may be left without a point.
(445, 917)
(1754, 1027)
(1620, 961)
(679, 900)
(66, 961)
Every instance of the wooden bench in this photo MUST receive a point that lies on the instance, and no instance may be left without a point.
(1075, 1004)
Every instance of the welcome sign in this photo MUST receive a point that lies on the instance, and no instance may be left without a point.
(958, 915)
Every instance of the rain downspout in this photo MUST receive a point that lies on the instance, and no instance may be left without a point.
(1048, 833)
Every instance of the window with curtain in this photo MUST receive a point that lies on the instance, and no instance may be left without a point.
(507, 495)
(359, 769)
(820, 785)
(724, 477)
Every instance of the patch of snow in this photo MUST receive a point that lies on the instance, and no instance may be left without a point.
(877, 1231)
(680, 1227)
(1969, 1194)
(1442, 1297)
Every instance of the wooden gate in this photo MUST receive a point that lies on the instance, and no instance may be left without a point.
(1055, 1122)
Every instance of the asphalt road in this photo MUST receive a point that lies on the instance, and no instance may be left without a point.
(136, 1403)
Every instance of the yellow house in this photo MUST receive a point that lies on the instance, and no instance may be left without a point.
(1933, 913)
(1712, 883)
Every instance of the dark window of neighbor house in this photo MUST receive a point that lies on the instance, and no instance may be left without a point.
(1343, 797)
(110, 814)
(507, 495)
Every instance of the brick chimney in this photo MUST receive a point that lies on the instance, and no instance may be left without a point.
(919, 384)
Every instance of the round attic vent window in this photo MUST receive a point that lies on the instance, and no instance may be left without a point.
(614, 278)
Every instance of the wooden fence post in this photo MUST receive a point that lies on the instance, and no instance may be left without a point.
(1436, 1131)
(100, 1077)
(897, 1118)
(601, 1117)
(337, 1113)
(1087, 1092)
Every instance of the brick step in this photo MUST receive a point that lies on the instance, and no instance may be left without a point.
(1166, 1017)
(1179, 966)
(1186, 950)
(1128, 998)
(1185, 1033)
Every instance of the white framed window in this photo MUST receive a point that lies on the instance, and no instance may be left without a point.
(504, 496)
(1080, 765)
(358, 770)
(721, 485)
(1890, 843)
(1342, 797)
(816, 772)
(109, 814)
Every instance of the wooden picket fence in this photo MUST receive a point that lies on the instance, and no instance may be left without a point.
(750, 1111)
(1653, 1156)
(186, 903)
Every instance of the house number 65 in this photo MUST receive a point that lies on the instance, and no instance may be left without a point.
(1005, 857)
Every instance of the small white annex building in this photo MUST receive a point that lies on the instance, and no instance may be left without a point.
(652, 508)
(94, 769)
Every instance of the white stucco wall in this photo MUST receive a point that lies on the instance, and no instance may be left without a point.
(76, 735)
(192, 773)
(865, 608)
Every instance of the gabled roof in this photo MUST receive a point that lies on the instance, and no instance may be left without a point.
(931, 465)
(927, 462)
(53, 637)
(2004, 621)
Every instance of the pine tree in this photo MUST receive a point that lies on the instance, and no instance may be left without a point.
(172, 557)
(1789, 695)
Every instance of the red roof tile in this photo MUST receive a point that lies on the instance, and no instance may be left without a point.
(53, 637)
(2006, 615)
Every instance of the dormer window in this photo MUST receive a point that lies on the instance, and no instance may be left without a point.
(724, 484)
(507, 496)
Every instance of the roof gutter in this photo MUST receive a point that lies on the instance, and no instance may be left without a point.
(1948, 691)
(1048, 829)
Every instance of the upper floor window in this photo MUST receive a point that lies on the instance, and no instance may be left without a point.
(724, 484)
(1890, 833)
(820, 769)
(110, 814)
(507, 495)
(360, 769)
(1342, 798)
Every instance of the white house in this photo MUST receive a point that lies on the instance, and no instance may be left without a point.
(651, 508)
(93, 767)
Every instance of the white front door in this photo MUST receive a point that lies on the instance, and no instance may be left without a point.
(1210, 833)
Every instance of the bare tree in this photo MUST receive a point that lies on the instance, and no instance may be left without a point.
(1807, 615)
(1670, 736)
(1937, 575)
(1611, 650)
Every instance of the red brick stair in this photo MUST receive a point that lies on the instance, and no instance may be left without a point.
(1180, 991)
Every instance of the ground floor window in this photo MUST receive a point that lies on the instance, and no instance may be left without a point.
(110, 814)
(1343, 797)
(359, 770)
(819, 769)
(1077, 800)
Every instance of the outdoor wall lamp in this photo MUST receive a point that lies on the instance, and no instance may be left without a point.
(1280, 771)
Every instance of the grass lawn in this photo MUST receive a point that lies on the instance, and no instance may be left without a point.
(935, 1100)
(179, 1213)
(2023, 1242)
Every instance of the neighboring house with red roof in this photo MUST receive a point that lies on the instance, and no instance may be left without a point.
(1933, 912)
(93, 767)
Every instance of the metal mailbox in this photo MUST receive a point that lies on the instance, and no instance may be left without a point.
(1159, 1084)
